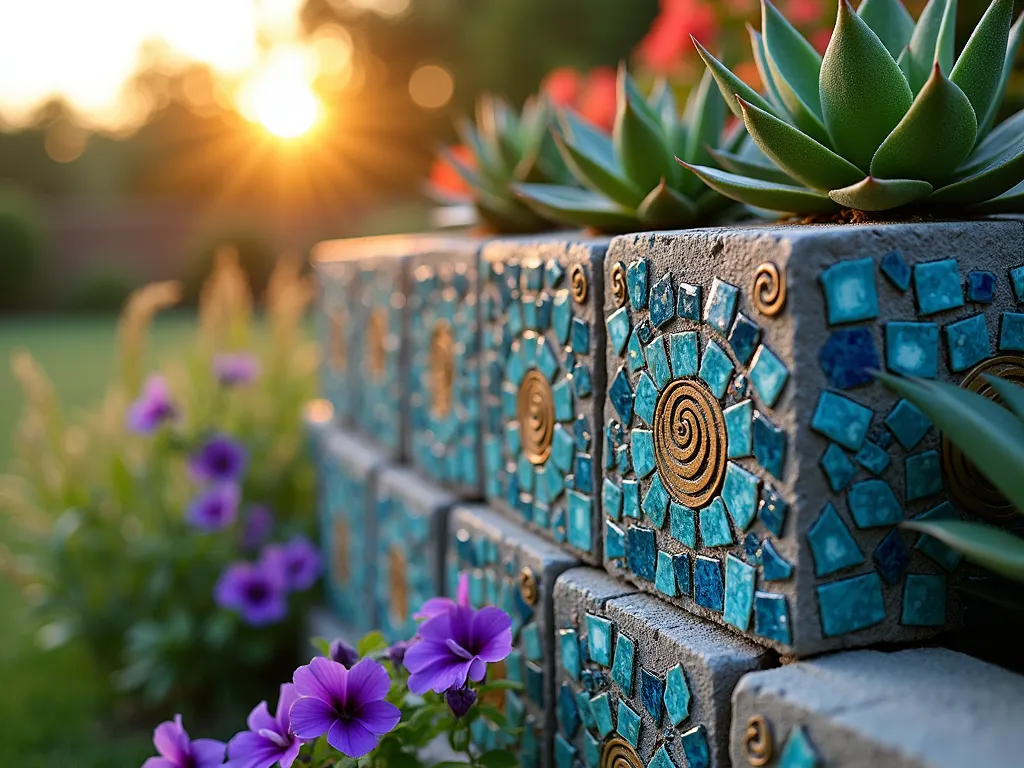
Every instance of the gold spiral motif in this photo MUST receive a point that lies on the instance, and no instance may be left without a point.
(689, 442)
(528, 586)
(769, 292)
(376, 343)
(535, 409)
(338, 345)
(969, 487)
(398, 586)
(618, 284)
(341, 540)
(579, 284)
(757, 742)
(619, 753)
(441, 369)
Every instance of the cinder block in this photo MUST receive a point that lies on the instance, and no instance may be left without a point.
(410, 514)
(514, 569)
(754, 471)
(926, 708)
(640, 682)
(543, 386)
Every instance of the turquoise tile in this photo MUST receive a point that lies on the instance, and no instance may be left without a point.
(621, 395)
(568, 712)
(652, 689)
(946, 557)
(968, 342)
(896, 269)
(581, 380)
(631, 499)
(561, 317)
(872, 504)
(683, 353)
(569, 646)
(635, 352)
(563, 448)
(681, 566)
(695, 747)
(771, 617)
(851, 604)
(662, 301)
(641, 552)
(1011, 332)
(664, 576)
(798, 752)
(774, 565)
(912, 349)
(657, 362)
(618, 329)
(841, 420)
(599, 640)
(744, 338)
(832, 545)
(629, 723)
(714, 525)
(636, 283)
(622, 666)
(768, 374)
(923, 475)
(655, 503)
(716, 369)
(708, 589)
(740, 492)
(907, 424)
(642, 451)
(646, 399)
(591, 751)
(850, 292)
(614, 541)
(579, 514)
(565, 753)
(661, 759)
(838, 469)
(769, 445)
(688, 302)
(682, 524)
(580, 336)
(586, 714)
(1017, 281)
(721, 305)
(937, 286)
(553, 273)
(924, 600)
(529, 636)
(677, 695)
(739, 592)
(873, 458)
(550, 483)
(561, 393)
(738, 420)
(771, 510)
(611, 499)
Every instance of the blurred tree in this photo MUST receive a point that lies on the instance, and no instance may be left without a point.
(22, 249)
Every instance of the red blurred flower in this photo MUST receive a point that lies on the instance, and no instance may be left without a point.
(444, 178)
(820, 39)
(591, 94)
(562, 86)
(668, 43)
(803, 12)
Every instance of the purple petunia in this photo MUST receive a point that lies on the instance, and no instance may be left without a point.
(215, 508)
(460, 700)
(456, 646)
(256, 592)
(343, 653)
(438, 605)
(259, 522)
(177, 750)
(396, 653)
(220, 459)
(269, 739)
(152, 408)
(346, 704)
(297, 561)
(235, 369)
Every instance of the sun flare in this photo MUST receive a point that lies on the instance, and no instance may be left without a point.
(279, 96)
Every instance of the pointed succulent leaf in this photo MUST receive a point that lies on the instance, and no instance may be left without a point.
(587, 137)
(497, 125)
(891, 21)
(944, 45)
(1010, 393)
(636, 95)
(742, 166)
(864, 94)
(979, 68)
(795, 66)
(934, 137)
(984, 545)
(664, 208)
(921, 50)
(873, 194)
(663, 101)
(993, 146)
(640, 145)
(797, 154)
(599, 174)
(1003, 174)
(507, 214)
(764, 71)
(764, 194)
(704, 118)
(1012, 46)
(576, 207)
(730, 85)
(1011, 201)
(488, 163)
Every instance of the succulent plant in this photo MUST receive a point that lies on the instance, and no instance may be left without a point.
(507, 148)
(887, 118)
(630, 180)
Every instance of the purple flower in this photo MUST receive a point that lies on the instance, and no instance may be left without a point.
(346, 704)
(215, 508)
(220, 459)
(259, 522)
(396, 653)
(343, 653)
(152, 408)
(438, 605)
(456, 646)
(236, 369)
(460, 700)
(269, 739)
(177, 750)
(256, 592)
(297, 561)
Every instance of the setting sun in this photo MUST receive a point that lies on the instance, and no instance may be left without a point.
(279, 96)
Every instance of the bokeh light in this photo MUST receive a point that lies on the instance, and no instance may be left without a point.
(431, 86)
(279, 95)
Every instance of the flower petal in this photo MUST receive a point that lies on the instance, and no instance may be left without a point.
(159, 762)
(285, 700)
(445, 673)
(311, 717)
(488, 624)
(290, 754)
(250, 753)
(434, 607)
(367, 681)
(208, 753)
(170, 740)
(477, 669)
(425, 653)
(351, 738)
(438, 627)
(260, 718)
(378, 717)
(322, 678)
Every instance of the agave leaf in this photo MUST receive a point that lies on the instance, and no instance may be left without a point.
(944, 45)
(489, 163)
(1004, 173)
(873, 194)
(798, 154)
(665, 208)
(639, 102)
(921, 50)
(507, 214)
(934, 137)
(763, 70)
(1012, 46)
(599, 173)
(587, 137)
(498, 128)
(864, 95)
(986, 432)
(576, 207)
(704, 118)
(996, 144)
(730, 85)
(533, 128)
(991, 548)
(639, 141)
(477, 181)
(663, 101)
(1011, 201)
(1010, 393)
(743, 166)
(764, 194)
(979, 68)
(890, 21)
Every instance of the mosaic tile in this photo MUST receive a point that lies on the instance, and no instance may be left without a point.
(646, 399)
(622, 666)
(621, 396)
(636, 283)
(631, 499)
(714, 525)
(661, 759)
(923, 475)
(769, 445)
(641, 551)
(581, 381)
(614, 540)
(832, 545)
(601, 709)
(924, 600)
(937, 286)
(682, 349)
(851, 604)
(682, 524)
(579, 516)
(774, 566)
(896, 269)
(891, 557)
(738, 428)
(849, 357)
(771, 617)
(1011, 332)
(628, 723)
(708, 589)
(599, 640)
(657, 362)
(873, 458)
(553, 273)
(739, 492)
(798, 752)
(744, 338)
(591, 751)
(695, 747)
(568, 713)
(611, 498)
(569, 644)
(561, 317)
(652, 689)
(665, 576)
(688, 303)
(565, 753)
(721, 305)
(618, 329)
(662, 301)
(850, 293)
(739, 592)
(677, 695)
(622, 459)
(561, 393)
(946, 557)
(968, 343)
(872, 504)
(529, 636)
(981, 287)
(907, 424)
(582, 433)
(635, 358)
(1017, 281)
(681, 566)
(752, 549)
(768, 374)
(841, 420)
(642, 451)
(716, 369)
(912, 349)
(563, 448)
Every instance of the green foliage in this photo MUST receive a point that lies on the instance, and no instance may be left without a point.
(631, 179)
(255, 250)
(886, 119)
(22, 249)
(102, 292)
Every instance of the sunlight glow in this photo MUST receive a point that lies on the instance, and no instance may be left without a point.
(279, 96)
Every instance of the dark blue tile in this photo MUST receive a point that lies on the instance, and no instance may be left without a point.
(568, 713)
(769, 445)
(907, 423)
(771, 617)
(896, 269)
(636, 282)
(708, 586)
(652, 689)
(851, 604)
(872, 458)
(771, 510)
(641, 552)
(838, 468)
(774, 566)
(688, 303)
(968, 342)
(849, 357)
(681, 566)
(881, 437)
(621, 395)
(1011, 332)
(924, 475)
(891, 557)
(752, 549)
(981, 287)
(663, 301)
(744, 338)
(644, 331)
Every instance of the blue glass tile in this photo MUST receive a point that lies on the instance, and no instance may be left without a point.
(622, 459)
(842, 420)
(798, 751)
(629, 723)
(583, 706)
(663, 301)
(981, 287)
(535, 683)
(968, 343)
(569, 645)
(774, 565)
(621, 395)
(565, 753)
(611, 499)
(631, 499)
(1011, 332)
(581, 380)
(872, 458)
(579, 514)
(924, 475)
(739, 592)
(599, 640)
(771, 510)
(708, 590)
(907, 424)
(532, 276)
(851, 604)
(642, 450)
(714, 525)
(872, 504)
(581, 431)
(771, 617)
(546, 360)
(529, 637)
(688, 302)
(652, 689)
(580, 336)
(937, 286)
(568, 714)
(721, 305)
(635, 352)
(636, 283)
(614, 541)
(618, 329)
(677, 695)
(584, 473)
(891, 557)
(655, 503)
(850, 291)
(600, 708)
(622, 666)
(924, 600)
(550, 483)
(716, 369)
(646, 399)
(591, 751)
(657, 362)
(1017, 281)
(739, 492)
(895, 267)
(681, 566)
(530, 315)
(912, 349)
(838, 469)
(682, 525)
(832, 544)
(849, 357)
(561, 393)
(661, 759)
(553, 272)
(768, 374)
(946, 557)
(562, 448)
(682, 349)
(641, 551)
(752, 549)
(744, 338)
(644, 331)
(738, 428)
(561, 317)
(695, 747)
(769, 445)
